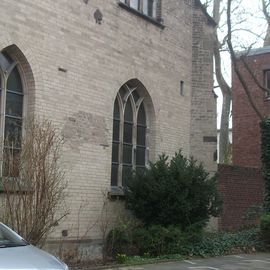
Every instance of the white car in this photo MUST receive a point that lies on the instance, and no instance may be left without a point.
(17, 254)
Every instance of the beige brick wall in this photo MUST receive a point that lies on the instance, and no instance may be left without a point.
(98, 59)
(203, 132)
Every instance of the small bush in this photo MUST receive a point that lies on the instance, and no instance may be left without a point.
(118, 241)
(179, 192)
(121, 258)
(157, 241)
(265, 158)
(227, 243)
(265, 227)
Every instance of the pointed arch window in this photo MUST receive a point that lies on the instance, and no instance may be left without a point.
(11, 110)
(129, 134)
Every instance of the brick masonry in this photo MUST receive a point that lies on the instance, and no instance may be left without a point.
(73, 68)
(246, 129)
(203, 103)
(241, 189)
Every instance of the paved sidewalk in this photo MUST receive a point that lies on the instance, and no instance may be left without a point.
(233, 262)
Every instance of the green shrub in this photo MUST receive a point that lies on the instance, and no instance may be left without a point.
(217, 244)
(151, 240)
(121, 258)
(179, 192)
(265, 158)
(265, 227)
(157, 241)
(118, 241)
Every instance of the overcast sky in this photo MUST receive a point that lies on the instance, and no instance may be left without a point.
(246, 34)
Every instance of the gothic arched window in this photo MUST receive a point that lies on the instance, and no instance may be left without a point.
(11, 108)
(129, 134)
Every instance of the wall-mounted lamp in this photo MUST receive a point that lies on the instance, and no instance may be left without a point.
(98, 16)
(181, 88)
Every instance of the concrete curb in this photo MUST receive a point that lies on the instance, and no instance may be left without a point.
(121, 266)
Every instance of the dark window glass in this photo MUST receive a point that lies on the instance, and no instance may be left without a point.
(126, 174)
(135, 95)
(128, 117)
(150, 8)
(128, 132)
(14, 104)
(122, 92)
(5, 61)
(0, 92)
(8, 58)
(115, 152)
(114, 174)
(124, 159)
(141, 134)
(127, 154)
(13, 130)
(116, 113)
(116, 126)
(132, 84)
(134, 4)
(141, 120)
(11, 162)
(14, 82)
(267, 82)
(140, 156)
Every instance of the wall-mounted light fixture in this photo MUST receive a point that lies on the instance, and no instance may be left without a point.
(181, 88)
(98, 16)
(65, 233)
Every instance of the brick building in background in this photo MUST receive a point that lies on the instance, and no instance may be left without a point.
(241, 184)
(124, 81)
(246, 129)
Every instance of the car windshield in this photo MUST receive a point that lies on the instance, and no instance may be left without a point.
(9, 238)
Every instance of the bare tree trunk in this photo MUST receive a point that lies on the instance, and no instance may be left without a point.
(267, 37)
(224, 127)
(265, 4)
(225, 89)
(237, 71)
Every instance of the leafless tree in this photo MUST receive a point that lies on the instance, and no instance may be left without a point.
(242, 61)
(266, 12)
(224, 87)
(221, 35)
(33, 182)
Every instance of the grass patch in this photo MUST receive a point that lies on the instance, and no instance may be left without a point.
(133, 260)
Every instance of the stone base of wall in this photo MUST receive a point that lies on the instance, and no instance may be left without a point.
(241, 189)
(74, 251)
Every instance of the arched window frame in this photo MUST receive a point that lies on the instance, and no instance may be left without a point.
(136, 105)
(5, 72)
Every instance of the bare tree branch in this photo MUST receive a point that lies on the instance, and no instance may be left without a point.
(235, 65)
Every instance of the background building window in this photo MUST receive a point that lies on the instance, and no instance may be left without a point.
(11, 112)
(267, 82)
(129, 134)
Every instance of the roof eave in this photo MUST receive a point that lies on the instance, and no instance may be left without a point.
(210, 20)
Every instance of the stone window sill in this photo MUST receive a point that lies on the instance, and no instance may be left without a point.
(138, 13)
(116, 192)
